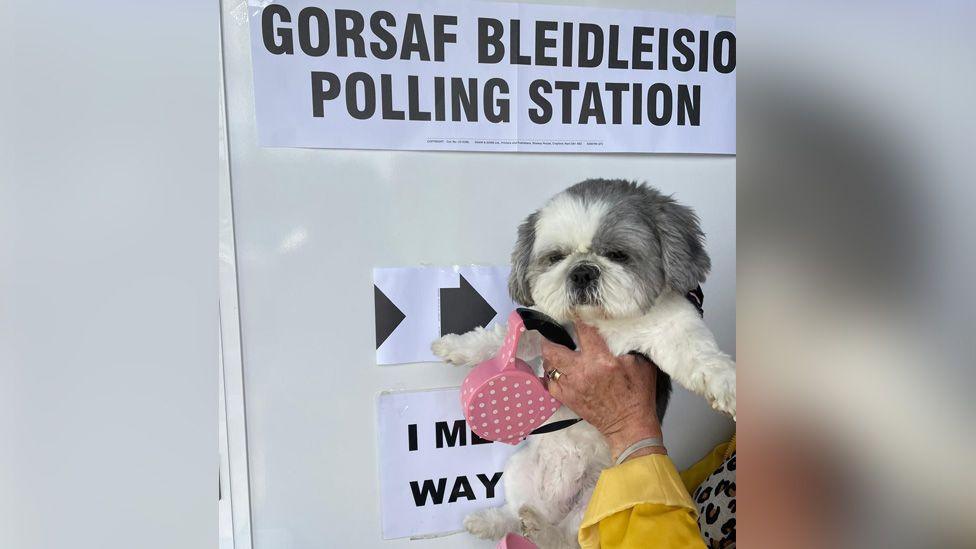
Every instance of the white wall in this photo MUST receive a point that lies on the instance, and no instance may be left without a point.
(107, 275)
(309, 227)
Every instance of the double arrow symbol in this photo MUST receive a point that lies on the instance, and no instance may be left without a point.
(462, 309)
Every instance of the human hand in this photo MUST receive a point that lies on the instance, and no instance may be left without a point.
(616, 394)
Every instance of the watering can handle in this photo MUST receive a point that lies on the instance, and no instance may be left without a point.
(527, 319)
(545, 325)
(507, 353)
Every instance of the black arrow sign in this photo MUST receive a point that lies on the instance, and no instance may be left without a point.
(463, 309)
(388, 316)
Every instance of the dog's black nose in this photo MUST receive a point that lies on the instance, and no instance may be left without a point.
(583, 276)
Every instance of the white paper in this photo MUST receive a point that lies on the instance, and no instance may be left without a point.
(457, 458)
(416, 292)
(283, 83)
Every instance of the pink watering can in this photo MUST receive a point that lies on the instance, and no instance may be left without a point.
(502, 398)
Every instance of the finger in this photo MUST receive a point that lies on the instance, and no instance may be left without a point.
(569, 388)
(590, 339)
(557, 356)
(565, 385)
(555, 388)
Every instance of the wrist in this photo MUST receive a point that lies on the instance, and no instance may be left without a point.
(620, 439)
(642, 452)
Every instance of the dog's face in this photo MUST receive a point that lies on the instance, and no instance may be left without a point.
(606, 249)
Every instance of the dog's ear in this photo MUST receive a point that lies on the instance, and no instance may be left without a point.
(684, 259)
(518, 280)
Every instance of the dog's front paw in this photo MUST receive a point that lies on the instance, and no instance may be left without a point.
(720, 392)
(530, 522)
(487, 524)
(450, 349)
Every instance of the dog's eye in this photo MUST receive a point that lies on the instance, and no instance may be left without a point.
(617, 256)
(555, 257)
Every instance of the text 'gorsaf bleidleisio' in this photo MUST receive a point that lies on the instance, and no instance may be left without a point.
(347, 33)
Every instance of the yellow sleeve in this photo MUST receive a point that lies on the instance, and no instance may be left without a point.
(641, 503)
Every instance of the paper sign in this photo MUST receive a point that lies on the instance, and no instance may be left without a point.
(416, 305)
(484, 76)
(433, 470)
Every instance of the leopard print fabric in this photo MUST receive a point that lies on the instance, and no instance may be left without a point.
(715, 499)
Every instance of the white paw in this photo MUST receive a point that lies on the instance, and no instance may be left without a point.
(450, 349)
(483, 524)
(720, 391)
(531, 522)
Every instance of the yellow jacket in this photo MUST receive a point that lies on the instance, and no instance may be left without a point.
(644, 503)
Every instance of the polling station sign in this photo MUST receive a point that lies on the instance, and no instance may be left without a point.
(484, 76)
(433, 470)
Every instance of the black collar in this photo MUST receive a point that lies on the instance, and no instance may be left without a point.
(556, 426)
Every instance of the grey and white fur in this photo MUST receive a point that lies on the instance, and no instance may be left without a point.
(619, 256)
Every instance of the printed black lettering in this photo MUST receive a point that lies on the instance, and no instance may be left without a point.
(461, 489)
(441, 36)
(440, 104)
(386, 90)
(567, 87)
(689, 106)
(587, 33)
(413, 95)
(640, 48)
(653, 92)
(451, 435)
(613, 58)
(719, 61)
(638, 110)
(387, 46)
(346, 33)
(369, 91)
(496, 109)
(515, 35)
(412, 437)
(616, 90)
(428, 490)
(542, 115)
(544, 42)
(490, 34)
(414, 39)
(321, 30)
(464, 99)
(568, 44)
(269, 31)
(322, 93)
(662, 49)
(592, 104)
(490, 483)
(703, 51)
(685, 61)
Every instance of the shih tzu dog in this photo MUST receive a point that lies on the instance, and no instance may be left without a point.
(620, 256)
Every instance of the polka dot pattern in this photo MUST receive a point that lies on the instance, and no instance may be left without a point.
(502, 385)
